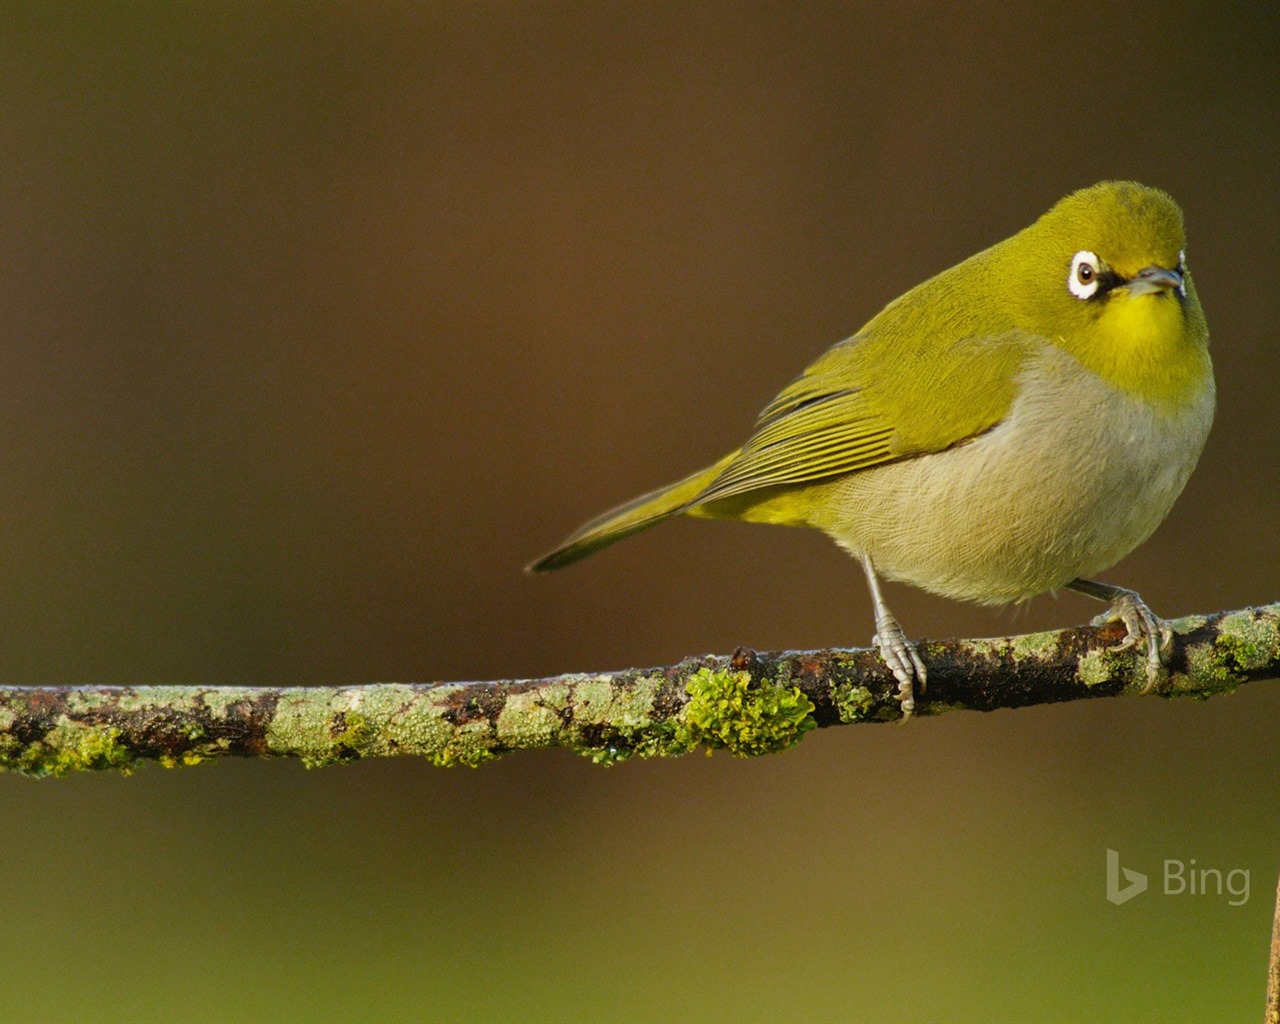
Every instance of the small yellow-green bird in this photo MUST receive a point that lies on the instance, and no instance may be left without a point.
(1016, 424)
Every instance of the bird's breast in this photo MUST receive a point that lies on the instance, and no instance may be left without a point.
(1074, 478)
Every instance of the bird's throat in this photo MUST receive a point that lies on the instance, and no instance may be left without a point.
(1142, 345)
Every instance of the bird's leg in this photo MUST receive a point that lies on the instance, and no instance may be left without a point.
(1139, 621)
(898, 652)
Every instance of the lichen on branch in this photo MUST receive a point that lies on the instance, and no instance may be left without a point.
(749, 703)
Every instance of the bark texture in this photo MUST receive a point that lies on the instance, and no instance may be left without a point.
(748, 703)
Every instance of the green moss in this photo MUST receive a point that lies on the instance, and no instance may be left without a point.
(1093, 667)
(67, 749)
(320, 727)
(351, 730)
(664, 739)
(527, 720)
(724, 710)
(418, 722)
(1035, 645)
(658, 739)
(854, 703)
(347, 733)
(1244, 643)
(629, 708)
(144, 698)
(216, 698)
(300, 727)
(1249, 642)
(592, 715)
(188, 758)
(469, 747)
(612, 723)
(1207, 672)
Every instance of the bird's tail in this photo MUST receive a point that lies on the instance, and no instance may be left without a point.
(636, 515)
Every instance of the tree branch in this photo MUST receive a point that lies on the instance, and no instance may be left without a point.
(1273, 970)
(748, 703)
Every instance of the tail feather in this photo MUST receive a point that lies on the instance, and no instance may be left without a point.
(636, 515)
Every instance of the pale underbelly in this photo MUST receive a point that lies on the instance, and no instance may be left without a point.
(1058, 490)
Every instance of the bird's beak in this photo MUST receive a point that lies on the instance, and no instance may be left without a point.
(1155, 279)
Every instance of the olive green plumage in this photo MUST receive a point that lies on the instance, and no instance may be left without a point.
(1010, 426)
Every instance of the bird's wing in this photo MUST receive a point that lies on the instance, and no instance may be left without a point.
(840, 417)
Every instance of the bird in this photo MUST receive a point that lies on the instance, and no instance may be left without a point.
(1012, 426)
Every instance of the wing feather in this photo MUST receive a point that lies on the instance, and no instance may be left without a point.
(839, 418)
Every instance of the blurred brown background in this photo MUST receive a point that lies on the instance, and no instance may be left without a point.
(318, 321)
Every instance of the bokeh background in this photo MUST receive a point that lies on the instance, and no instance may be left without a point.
(320, 320)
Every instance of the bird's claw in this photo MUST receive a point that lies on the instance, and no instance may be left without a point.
(1141, 625)
(903, 660)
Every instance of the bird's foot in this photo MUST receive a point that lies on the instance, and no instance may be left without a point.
(904, 662)
(1142, 626)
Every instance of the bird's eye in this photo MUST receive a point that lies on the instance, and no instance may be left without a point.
(1083, 279)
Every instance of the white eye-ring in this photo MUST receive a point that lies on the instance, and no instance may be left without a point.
(1083, 278)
